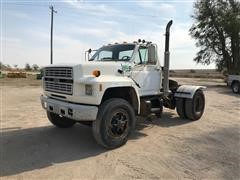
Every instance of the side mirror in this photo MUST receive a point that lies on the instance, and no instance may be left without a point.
(87, 53)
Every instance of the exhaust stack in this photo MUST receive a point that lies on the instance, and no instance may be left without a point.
(166, 60)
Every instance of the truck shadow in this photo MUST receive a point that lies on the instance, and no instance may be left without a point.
(35, 148)
(168, 119)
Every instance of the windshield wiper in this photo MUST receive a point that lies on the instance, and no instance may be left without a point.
(106, 58)
(111, 59)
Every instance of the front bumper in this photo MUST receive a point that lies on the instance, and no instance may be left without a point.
(70, 110)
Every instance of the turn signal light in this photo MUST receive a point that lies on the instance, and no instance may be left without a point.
(96, 73)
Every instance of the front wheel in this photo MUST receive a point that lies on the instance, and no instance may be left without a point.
(115, 121)
(60, 121)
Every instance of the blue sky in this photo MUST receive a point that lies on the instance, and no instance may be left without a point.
(83, 24)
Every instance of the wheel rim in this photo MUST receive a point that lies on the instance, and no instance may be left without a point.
(199, 104)
(119, 123)
(235, 88)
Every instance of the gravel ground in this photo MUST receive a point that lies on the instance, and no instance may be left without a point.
(166, 148)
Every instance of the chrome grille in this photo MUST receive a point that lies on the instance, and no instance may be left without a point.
(63, 72)
(59, 80)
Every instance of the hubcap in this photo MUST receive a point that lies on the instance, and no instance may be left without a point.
(119, 123)
(235, 88)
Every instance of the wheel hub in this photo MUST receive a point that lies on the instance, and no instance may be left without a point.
(118, 123)
(235, 88)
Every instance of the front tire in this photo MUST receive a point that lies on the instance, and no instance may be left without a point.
(235, 87)
(59, 121)
(115, 122)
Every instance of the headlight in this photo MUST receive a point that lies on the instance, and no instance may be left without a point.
(88, 89)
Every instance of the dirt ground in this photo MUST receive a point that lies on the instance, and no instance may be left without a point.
(166, 148)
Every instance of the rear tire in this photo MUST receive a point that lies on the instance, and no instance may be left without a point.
(194, 107)
(235, 87)
(61, 122)
(180, 106)
(115, 121)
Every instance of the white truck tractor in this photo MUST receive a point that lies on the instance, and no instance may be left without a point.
(118, 83)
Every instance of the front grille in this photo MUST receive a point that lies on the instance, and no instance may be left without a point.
(63, 72)
(57, 87)
(59, 80)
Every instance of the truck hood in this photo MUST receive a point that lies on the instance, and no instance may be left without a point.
(105, 68)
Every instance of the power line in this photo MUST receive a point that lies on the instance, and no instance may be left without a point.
(75, 13)
(84, 11)
(117, 15)
(27, 4)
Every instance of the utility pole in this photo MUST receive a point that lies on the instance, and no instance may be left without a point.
(51, 38)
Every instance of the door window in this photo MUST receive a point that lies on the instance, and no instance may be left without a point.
(146, 55)
(143, 51)
(142, 56)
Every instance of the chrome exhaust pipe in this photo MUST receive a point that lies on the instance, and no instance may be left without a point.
(166, 60)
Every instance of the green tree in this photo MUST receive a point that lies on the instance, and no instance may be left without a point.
(35, 67)
(8, 66)
(217, 31)
(27, 67)
(2, 66)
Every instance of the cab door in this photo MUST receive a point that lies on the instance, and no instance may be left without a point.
(147, 71)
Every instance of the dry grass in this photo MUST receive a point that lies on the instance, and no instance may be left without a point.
(17, 75)
(197, 73)
(30, 80)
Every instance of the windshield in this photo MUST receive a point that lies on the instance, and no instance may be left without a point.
(117, 52)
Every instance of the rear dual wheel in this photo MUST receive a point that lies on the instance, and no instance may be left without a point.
(180, 106)
(191, 108)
